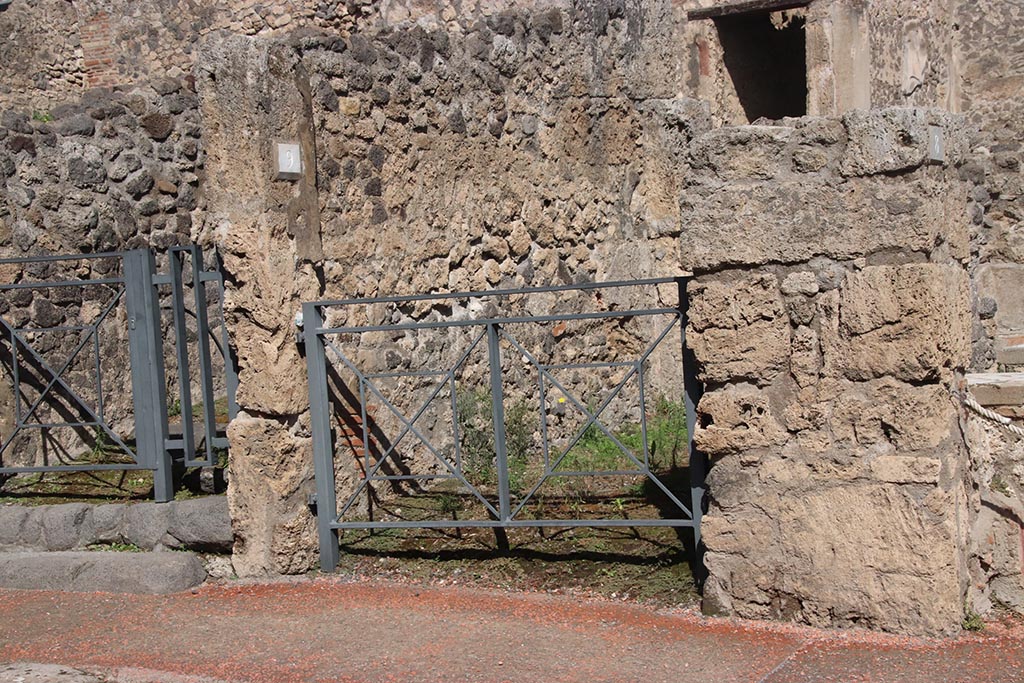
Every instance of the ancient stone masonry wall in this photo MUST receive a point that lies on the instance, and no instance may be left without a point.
(523, 148)
(830, 323)
(992, 82)
(114, 170)
(53, 50)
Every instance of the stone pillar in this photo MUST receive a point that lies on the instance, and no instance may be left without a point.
(254, 93)
(831, 317)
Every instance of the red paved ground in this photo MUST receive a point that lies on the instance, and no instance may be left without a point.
(327, 630)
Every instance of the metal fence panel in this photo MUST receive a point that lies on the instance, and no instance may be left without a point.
(132, 279)
(416, 423)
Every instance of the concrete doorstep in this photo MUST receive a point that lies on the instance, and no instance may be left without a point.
(108, 572)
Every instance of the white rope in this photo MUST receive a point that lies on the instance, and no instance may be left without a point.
(1006, 422)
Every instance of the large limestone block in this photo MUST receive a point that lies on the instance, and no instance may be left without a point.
(898, 139)
(889, 416)
(744, 152)
(737, 419)
(911, 322)
(868, 554)
(271, 475)
(738, 329)
(1004, 284)
(794, 218)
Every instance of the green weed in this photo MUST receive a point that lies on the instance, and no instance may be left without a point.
(115, 547)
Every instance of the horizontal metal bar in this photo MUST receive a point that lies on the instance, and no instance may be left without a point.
(211, 276)
(587, 366)
(491, 523)
(54, 425)
(43, 258)
(64, 328)
(64, 283)
(412, 477)
(161, 279)
(504, 292)
(421, 373)
(594, 315)
(597, 473)
(73, 468)
(178, 443)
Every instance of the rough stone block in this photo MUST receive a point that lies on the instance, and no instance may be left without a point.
(903, 470)
(202, 524)
(108, 572)
(65, 525)
(896, 139)
(890, 416)
(146, 523)
(743, 152)
(794, 219)
(20, 526)
(859, 554)
(108, 522)
(997, 388)
(1004, 284)
(736, 419)
(911, 322)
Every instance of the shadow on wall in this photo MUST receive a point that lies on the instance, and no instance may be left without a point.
(765, 56)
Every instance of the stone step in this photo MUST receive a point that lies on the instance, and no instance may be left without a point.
(1010, 351)
(997, 388)
(102, 571)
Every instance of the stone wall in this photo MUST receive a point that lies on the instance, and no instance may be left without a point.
(838, 476)
(525, 150)
(991, 87)
(112, 170)
(844, 277)
(55, 49)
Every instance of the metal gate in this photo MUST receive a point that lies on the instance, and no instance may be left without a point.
(65, 319)
(502, 402)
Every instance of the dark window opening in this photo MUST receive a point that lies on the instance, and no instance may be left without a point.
(764, 54)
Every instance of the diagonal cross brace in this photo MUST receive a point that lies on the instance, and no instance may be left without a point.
(64, 385)
(93, 331)
(409, 426)
(592, 418)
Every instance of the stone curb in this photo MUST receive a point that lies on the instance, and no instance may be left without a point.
(201, 524)
(30, 672)
(108, 572)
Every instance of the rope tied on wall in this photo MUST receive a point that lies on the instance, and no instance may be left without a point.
(970, 402)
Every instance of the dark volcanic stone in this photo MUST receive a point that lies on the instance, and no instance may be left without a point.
(158, 125)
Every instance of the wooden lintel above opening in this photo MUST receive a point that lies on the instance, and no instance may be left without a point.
(745, 7)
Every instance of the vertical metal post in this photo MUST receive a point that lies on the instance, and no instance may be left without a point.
(203, 351)
(230, 367)
(188, 438)
(692, 391)
(498, 417)
(145, 346)
(323, 448)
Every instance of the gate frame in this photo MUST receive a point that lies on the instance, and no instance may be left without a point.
(139, 281)
(316, 343)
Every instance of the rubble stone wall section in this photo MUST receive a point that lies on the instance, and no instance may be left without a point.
(113, 170)
(529, 150)
(63, 47)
